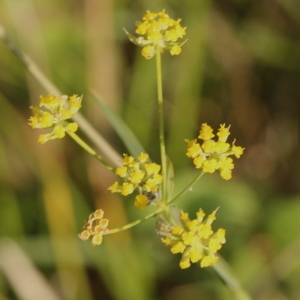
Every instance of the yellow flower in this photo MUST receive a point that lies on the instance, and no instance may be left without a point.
(52, 112)
(221, 147)
(149, 15)
(72, 127)
(137, 176)
(210, 165)
(115, 188)
(223, 133)
(95, 227)
(226, 174)
(200, 215)
(206, 132)
(238, 151)
(127, 188)
(175, 50)
(195, 255)
(183, 215)
(152, 168)
(141, 175)
(157, 32)
(128, 160)
(198, 161)
(195, 239)
(194, 149)
(213, 155)
(122, 172)
(143, 157)
(176, 229)
(178, 248)
(215, 243)
(141, 201)
(208, 146)
(208, 261)
(148, 51)
(185, 263)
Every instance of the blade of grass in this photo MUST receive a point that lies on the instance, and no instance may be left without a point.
(131, 142)
(23, 279)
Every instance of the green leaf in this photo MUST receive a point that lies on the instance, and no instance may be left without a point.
(131, 142)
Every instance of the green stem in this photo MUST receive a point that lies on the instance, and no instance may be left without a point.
(187, 188)
(161, 123)
(132, 224)
(224, 271)
(88, 149)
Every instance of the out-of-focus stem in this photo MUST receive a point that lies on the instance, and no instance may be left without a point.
(223, 270)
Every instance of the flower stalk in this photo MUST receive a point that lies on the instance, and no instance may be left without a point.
(224, 271)
(187, 188)
(161, 122)
(134, 223)
(89, 150)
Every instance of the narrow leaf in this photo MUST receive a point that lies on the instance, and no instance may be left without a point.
(126, 135)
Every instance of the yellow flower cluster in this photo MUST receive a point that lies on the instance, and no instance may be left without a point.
(139, 174)
(213, 155)
(158, 32)
(95, 227)
(196, 240)
(52, 112)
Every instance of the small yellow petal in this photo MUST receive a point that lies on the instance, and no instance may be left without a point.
(141, 201)
(208, 261)
(176, 50)
(185, 263)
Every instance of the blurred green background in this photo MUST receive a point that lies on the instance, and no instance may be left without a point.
(240, 66)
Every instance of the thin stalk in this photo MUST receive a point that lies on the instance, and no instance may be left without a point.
(132, 224)
(187, 188)
(90, 150)
(161, 123)
(224, 271)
